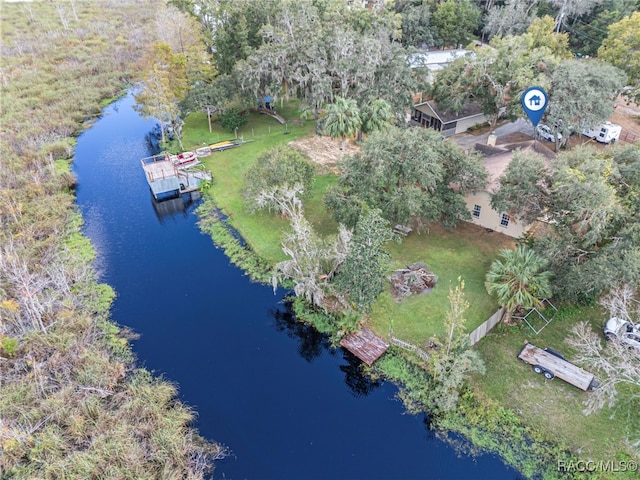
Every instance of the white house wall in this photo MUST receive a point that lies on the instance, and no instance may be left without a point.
(489, 218)
(464, 124)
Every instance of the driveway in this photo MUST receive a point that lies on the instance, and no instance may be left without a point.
(467, 140)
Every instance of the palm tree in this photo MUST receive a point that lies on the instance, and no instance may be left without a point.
(342, 119)
(375, 115)
(519, 280)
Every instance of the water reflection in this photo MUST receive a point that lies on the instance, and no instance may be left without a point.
(359, 384)
(313, 343)
(171, 208)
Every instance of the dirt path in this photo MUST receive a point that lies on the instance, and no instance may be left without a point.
(324, 151)
(628, 117)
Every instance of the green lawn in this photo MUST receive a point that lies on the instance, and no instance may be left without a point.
(553, 405)
(465, 252)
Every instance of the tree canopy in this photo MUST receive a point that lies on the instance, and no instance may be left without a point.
(582, 95)
(278, 167)
(621, 48)
(495, 76)
(588, 199)
(411, 175)
(519, 279)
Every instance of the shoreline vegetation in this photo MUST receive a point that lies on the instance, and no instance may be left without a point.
(486, 424)
(73, 402)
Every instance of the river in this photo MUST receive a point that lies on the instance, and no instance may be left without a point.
(273, 391)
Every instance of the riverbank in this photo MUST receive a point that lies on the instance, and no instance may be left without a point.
(492, 413)
(73, 402)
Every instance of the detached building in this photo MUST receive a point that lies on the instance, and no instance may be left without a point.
(430, 115)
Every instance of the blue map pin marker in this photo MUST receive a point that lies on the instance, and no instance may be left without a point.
(534, 102)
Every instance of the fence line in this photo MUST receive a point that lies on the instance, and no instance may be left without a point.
(408, 346)
(486, 327)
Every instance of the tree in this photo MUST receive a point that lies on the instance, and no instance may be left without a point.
(236, 29)
(455, 20)
(496, 76)
(621, 302)
(454, 360)
(312, 260)
(342, 119)
(279, 167)
(232, 119)
(417, 30)
(588, 199)
(163, 85)
(589, 30)
(519, 279)
(362, 276)
(615, 365)
(582, 96)
(621, 48)
(522, 191)
(407, 174)
(571, 8)
(376, 115)
(512, 18)
(319, 50)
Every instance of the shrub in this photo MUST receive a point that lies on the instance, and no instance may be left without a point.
(233, 118)
(279, 167)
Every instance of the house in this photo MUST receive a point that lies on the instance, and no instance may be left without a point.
(427, 64)
(429, 114)
(496, 161)
(436, 60)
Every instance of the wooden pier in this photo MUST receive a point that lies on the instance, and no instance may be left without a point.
(167, 179)
(365, 345)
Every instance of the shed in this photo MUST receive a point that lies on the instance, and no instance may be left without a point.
(429, 114)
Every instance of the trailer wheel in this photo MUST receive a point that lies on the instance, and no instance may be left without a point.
(538, 369)
(548, 375)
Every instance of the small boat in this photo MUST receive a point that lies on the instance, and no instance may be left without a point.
(220, 146)
(203, 152)
(183, 158)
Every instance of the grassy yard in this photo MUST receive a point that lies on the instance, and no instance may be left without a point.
(553, 405)
(465, 252)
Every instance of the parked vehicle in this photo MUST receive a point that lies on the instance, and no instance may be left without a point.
(626, 332)
(552, 364)
(544, 131)
(606, 133)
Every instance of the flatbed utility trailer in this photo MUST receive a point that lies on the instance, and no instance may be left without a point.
(552, 364)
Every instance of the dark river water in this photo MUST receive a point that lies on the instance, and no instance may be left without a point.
(273, 391)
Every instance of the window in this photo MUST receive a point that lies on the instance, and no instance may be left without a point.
(476, 211)
(504, 220)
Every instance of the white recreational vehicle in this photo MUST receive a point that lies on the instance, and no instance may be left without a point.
(606, 133)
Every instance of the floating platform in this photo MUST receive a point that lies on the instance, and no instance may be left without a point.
(365, 345)
(168, 178)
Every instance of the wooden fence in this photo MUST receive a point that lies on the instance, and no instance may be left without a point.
(408, 346)
(483, 329)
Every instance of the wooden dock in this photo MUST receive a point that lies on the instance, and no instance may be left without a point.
(365, 345)
(166, 179)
